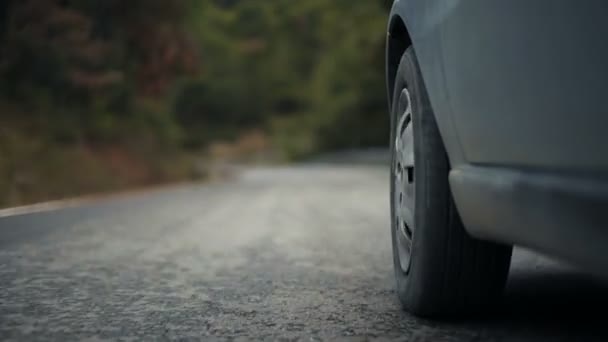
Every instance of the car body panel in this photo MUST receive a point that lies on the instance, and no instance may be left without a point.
(526, 82)
(517, 88)
(424, 29)
(515, 82)
(560, 214)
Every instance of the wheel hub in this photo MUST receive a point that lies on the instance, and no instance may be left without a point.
(403, 171)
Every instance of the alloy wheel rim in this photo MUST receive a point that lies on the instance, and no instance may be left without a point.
(403, 171)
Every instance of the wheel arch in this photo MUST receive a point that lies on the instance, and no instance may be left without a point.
(402, 31)
(397, 41)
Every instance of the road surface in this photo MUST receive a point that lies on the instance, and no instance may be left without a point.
(294, 253)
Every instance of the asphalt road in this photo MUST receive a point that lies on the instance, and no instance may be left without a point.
(299, 252)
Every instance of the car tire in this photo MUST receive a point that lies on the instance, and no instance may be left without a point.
(446, 271)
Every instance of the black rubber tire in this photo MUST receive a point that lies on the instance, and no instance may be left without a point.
(450, 272)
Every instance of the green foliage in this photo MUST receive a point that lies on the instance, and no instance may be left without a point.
(310, 70)
(99, 95)
(86, 70)
(188, 72)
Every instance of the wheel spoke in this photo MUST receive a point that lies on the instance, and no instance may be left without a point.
(406, 147)
(404, 248)
(407, 215)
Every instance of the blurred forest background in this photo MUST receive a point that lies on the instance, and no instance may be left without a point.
(98, 95)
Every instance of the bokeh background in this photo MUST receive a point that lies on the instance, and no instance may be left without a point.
(102, 95)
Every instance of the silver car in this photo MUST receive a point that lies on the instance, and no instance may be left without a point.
(499, 137)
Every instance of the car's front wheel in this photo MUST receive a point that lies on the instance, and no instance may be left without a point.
(439, 268)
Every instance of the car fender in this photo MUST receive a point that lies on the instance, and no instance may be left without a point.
(422, 21)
